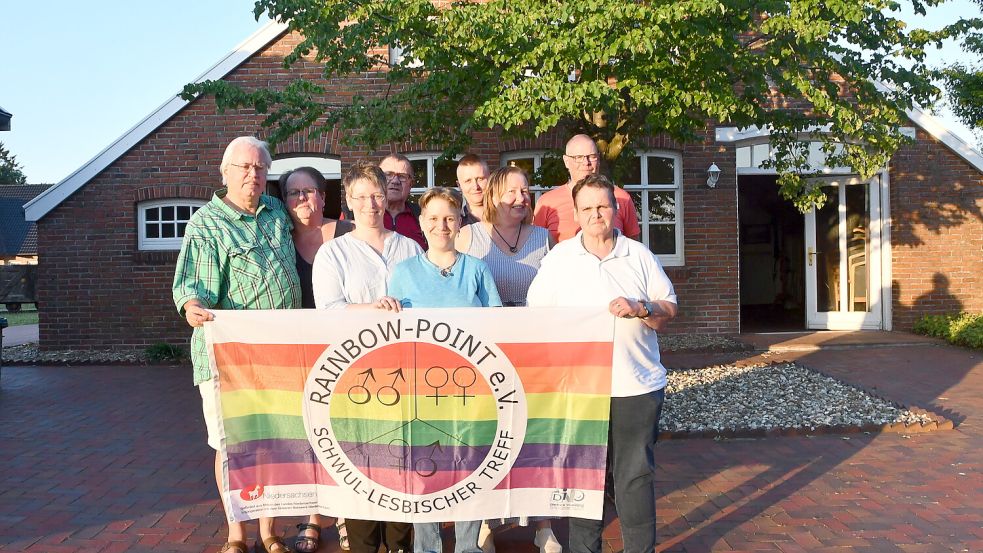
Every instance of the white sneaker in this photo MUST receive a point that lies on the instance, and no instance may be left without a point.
(486, 539)
(546, 541)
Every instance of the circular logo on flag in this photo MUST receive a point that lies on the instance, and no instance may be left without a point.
(416, 413)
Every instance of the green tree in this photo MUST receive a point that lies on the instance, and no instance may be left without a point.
(964, 81)
(10, 170)
(614, 69)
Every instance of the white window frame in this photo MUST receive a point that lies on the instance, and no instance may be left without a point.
(162, 244)
(430, 158)
(669, 260)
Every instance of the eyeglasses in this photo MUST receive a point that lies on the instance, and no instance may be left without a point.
(476, 180)
(377, 198)
(296, 194)
(401, 176)
(247, 167)
(580, 160)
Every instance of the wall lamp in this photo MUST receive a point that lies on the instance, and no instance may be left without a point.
(713, 175)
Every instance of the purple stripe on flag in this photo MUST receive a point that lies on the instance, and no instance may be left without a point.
(257, 452)
(422, 458)
(562, 455)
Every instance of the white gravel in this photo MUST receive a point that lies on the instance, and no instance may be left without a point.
(771, 396)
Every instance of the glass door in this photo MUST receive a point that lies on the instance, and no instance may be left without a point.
(843, 269)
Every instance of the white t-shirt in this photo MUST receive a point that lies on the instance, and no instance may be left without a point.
(570, 276)
(347, 270)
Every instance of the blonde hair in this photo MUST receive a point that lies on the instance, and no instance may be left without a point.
(496, 189)
(450, 195)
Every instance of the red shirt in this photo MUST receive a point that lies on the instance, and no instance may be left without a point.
(554, 211)
(407, 223)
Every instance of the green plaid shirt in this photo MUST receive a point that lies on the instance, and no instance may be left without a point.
(230, 260)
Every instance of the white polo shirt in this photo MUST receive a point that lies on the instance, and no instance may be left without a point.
(570, 276)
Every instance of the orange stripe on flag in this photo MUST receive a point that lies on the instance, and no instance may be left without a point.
(578, 368)
(265, 366)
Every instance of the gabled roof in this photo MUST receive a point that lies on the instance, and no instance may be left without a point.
(40, 206)
(54, 196)
(17, 235)
(5, 119)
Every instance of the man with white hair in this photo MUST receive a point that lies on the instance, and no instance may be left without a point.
(554, 209)
(237, 254)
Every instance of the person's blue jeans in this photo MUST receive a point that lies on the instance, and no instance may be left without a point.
(632, 432)
(426, 537)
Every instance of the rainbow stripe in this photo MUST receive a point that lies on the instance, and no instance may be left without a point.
(443, 435)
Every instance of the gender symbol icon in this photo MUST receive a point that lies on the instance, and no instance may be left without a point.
(414, 428)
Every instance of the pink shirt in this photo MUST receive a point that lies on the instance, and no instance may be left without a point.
(554, 211)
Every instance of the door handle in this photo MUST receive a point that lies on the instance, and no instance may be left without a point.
(810, 254)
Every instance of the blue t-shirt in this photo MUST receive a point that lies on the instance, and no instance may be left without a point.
(417, 282)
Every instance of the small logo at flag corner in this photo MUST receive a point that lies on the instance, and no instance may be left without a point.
(252, 493)
(569, 498)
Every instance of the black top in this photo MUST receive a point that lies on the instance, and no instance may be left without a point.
(306, 270)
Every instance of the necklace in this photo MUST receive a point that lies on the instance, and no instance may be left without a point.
(445, 271)
(512, 247)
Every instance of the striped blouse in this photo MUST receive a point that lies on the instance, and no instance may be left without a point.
(512, 272)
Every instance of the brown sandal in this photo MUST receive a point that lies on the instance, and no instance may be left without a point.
(307, 544)
(272, 544)
(234, 547)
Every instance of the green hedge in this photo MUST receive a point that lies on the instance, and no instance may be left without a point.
(964, 329)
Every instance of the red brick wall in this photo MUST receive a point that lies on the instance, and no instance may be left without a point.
(936, 232)
(99, 291)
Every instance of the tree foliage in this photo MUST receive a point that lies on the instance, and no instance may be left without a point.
(617, 70)
(10, 170)
(964, 80)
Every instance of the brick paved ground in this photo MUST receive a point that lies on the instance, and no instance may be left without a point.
(113, 459)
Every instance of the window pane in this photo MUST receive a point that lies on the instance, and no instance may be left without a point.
(194, 209)
(662, 206)
(759, 153)
(662, 239)
(628, 170)
(153, 231)
(828, 252)
(153, 214)
(167, 213)
(180, 229)
(661, 170)
(744, 156)
(636, 198)
(167, 230)
(524, 163)
(183, 212)
(420, 173)
(553, 171)
(446, 173)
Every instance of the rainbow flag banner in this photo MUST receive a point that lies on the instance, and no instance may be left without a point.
(421, 416)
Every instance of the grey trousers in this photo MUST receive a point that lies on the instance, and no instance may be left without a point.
(632, 432)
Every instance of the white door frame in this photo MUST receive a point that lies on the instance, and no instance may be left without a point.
(843, 318)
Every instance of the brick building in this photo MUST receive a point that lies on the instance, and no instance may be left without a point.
(885, 251)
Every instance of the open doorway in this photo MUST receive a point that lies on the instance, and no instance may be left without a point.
(772, 257)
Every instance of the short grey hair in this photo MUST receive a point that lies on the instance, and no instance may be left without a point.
(252, 141)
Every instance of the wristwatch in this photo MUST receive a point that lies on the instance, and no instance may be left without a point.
(648, 310)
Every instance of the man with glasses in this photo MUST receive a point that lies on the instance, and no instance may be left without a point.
(555, 210)
(402, 215)
(237, 254)
(472, 177)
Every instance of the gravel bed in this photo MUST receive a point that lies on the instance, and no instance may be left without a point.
(700, 342)
(30, 354)
(772, 396)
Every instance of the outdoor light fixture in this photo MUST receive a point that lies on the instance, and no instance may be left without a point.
(713, 175)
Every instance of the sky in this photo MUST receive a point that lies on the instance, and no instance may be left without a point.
(77, 75)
